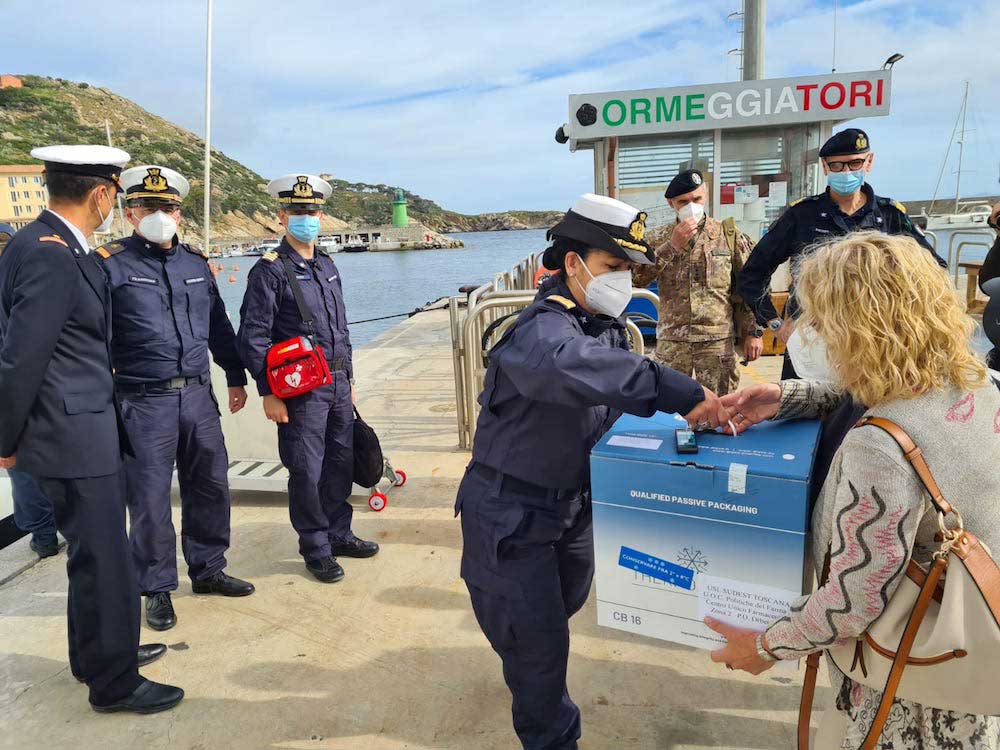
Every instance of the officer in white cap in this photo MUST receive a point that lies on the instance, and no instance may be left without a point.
(167, 317)
(315, 429)
(62, 423)
(556, 381)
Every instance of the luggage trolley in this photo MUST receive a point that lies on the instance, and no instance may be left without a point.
(377, 499)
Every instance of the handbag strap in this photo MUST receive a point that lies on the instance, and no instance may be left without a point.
(809, 680)
(914, 455)
(304, 312)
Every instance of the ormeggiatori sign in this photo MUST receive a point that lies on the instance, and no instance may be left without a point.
(778, 101)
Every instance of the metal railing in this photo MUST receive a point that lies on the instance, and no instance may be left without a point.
(469, 316)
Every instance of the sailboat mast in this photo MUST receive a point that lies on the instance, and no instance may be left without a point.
(961, 146)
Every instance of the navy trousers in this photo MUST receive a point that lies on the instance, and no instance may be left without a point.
(528, 563)
(103, 604)
(164, 427)
(32, 509)
(317, 448)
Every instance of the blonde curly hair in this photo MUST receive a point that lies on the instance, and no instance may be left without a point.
(892, 322)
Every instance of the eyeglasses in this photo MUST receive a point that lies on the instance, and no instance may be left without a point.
(167, 208)
(304, 211)
(854, 165)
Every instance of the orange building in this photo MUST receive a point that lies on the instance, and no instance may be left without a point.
(10, 82)
(22, 194)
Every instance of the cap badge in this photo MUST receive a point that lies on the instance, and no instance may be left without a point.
(154, 181)
(637, 229)
(302, 188)
(696, 178)
(861, 142)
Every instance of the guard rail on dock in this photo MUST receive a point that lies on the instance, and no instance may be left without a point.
(469, 317)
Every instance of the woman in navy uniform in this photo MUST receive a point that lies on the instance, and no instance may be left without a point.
(167, 315)
(556, 382)
(316, 429)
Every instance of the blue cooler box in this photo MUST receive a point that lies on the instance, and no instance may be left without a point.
(721, 531)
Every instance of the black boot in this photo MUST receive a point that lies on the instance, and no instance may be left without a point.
(326, 570)
(160, 611)
(44, 548)
(223, 585)
(351, 546)
(148, 653)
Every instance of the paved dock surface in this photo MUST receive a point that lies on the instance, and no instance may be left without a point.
(389, 658)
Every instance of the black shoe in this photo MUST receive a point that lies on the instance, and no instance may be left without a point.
(351, 546)
(44, 549)
(160, 611)
(147, 655)
(149, 698)
(327, 570)
(223, 585)
(150, 652)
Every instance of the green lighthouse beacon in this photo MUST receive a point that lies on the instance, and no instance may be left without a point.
(399, 217)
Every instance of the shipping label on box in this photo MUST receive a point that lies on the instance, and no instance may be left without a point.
(720, 532)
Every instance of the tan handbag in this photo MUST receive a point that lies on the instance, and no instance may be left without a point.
(946, 629)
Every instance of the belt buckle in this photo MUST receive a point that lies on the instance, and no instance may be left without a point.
(177, 384)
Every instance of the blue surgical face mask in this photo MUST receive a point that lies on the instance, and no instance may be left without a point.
(303, 228)
(846, 182)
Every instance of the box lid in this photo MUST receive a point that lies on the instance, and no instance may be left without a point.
(783, 449)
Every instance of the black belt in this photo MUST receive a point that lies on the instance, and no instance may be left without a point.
(520, 486)
(161, 386)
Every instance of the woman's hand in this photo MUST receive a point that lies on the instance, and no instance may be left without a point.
(751, 405)
(740, 651)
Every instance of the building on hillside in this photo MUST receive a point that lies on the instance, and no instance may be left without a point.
(22, 194)
(10, 82)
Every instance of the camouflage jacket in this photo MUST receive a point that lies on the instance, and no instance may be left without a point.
(698, 299)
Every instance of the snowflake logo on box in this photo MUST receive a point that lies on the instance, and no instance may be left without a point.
(693, 558)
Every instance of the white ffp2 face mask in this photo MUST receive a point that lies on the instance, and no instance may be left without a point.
(105, 220)
(158, 227)
(807, 350)
(609, 293)
(690, 211)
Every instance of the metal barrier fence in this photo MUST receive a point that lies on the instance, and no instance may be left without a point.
(470, 316)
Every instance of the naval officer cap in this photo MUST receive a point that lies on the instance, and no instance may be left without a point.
(84, 161)
(300, 191)
(150, 182)
(606, 224)
(684, 182)
(848, 142)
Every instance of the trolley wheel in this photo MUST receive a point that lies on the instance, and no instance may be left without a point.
(377, 502)
(400, 479)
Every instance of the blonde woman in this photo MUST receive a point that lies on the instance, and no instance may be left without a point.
(896, 339)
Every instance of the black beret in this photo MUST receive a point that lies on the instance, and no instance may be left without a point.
(845, 143)
(685, 182)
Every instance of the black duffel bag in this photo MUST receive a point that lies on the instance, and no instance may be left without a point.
(368, 462)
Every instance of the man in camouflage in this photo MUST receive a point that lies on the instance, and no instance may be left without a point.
(700, 316)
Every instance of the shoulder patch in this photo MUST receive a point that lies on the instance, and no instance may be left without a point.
(804, 198)
(112, 248)
(54, 238)
(195, 250)
(270, 256)
(900, 206)
(568, 304)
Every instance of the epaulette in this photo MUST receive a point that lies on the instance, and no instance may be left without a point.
(112, 248)
(900, 206)
(53, 238)
(883, 201)
(195, 250)
(804, 198)
(270, 256)
(568, 304)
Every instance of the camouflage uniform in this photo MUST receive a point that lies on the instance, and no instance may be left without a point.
(700, 313)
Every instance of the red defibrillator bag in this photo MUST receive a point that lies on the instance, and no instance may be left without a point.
(297, 365)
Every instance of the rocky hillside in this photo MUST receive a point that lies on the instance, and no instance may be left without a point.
(53, 110)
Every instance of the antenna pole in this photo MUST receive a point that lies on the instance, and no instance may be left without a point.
(833, 67)
(208, 127)
(121, 211)
(961, 145)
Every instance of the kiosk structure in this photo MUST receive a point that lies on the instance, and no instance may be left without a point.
(756, 142)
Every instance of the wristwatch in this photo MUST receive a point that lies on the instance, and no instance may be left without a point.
(756, 332)
(775, 324)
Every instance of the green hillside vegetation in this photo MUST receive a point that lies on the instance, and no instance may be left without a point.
(53, 110)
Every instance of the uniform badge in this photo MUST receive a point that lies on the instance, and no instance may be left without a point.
(696, 178)
(154, 182)
(302, 188)
(861, 143)
(637, 229)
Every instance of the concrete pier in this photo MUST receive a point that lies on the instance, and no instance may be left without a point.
(389, 658)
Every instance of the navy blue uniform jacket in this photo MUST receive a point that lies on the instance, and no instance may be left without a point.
(58, 411)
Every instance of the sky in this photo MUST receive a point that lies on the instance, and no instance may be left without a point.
(458, 101)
